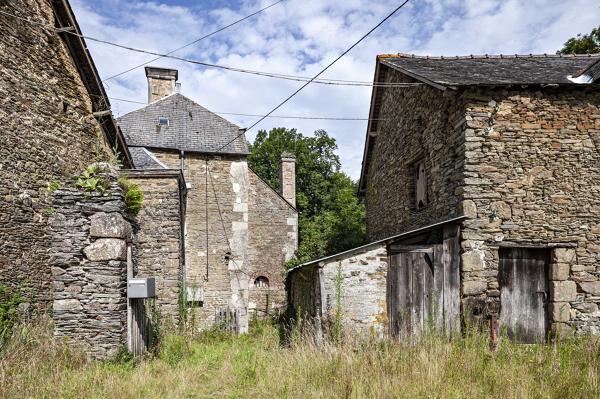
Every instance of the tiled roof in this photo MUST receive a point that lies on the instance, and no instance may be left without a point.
(144, 159)
(191, 127)
(492, 70)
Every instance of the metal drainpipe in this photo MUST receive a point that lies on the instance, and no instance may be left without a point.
(181, 160)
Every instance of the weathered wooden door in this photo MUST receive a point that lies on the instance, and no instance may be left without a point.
(422, 291)
(524, 293)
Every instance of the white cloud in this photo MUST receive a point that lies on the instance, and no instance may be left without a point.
(302, 36)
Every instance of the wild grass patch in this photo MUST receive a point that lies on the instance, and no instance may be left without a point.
(260, 365)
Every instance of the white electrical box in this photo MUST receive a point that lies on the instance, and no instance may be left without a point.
(141, 288)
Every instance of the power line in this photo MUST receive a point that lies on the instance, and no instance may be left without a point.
(314, 77)
(339, 82)
(195, 41)
(326, 118)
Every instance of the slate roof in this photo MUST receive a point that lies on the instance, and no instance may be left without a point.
(487, 70)
(191, 128)
(491, 70)
(144, 159)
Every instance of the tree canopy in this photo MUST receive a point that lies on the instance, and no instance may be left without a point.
(583, 44)
(331, 218)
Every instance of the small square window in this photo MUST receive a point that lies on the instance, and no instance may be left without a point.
(421, 196)
(163, 121)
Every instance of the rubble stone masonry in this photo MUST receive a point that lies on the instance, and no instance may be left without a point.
(159, 238)
(47, 133)
(522, 165)
(419, 123)
(90, 235)
(252, 231)
(532, 177)
(350, 287)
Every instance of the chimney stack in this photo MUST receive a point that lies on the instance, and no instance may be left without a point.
(161, 82)
(287, 177)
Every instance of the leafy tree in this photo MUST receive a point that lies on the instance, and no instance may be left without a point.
(583, 44)
(331, 217)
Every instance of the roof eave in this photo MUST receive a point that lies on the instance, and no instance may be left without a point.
(91, 79)
(421, 78)
(361, 181)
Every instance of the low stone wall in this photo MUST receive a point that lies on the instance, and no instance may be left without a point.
(89, 269)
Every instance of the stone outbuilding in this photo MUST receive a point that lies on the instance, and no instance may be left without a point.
(481, 178)
(238, 231)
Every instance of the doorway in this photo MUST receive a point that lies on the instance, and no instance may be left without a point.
(524, 293)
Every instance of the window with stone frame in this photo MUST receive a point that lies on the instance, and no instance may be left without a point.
(420, 184)
(261, 282)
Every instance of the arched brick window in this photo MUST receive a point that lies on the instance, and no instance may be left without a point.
(261, 282)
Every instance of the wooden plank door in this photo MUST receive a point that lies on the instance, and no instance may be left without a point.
(524, 293)
(413, 302)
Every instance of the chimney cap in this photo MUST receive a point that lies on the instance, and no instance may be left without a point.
(287, 156)
(162, 73)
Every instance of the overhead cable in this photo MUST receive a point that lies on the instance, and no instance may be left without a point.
(314, 77)
(338, 82)
(325, 118)
(194, 41)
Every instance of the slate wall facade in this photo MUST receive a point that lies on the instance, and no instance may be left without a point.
(90, 235)
(48, 134)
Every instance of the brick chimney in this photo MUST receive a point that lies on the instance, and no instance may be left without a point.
(161, 82)
(287, 177)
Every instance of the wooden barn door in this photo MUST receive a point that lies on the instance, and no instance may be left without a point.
(524, 293)
(420, 293)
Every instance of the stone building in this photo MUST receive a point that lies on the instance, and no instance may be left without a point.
(238, 230)
(54, 120)
(481, 177)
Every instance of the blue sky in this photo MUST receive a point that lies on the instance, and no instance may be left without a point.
(299, 37)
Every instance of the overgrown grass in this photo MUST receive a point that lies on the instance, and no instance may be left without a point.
(257, 365)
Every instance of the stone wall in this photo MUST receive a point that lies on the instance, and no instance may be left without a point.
(532, 178)
(272, 241)
(48, 134)
(351, 285)
(159, 239)
(419, 123)
(89, 269)
(251, 232)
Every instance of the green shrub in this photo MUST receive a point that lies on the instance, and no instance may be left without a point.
(134, 196)
(90, 181)
(9, 312)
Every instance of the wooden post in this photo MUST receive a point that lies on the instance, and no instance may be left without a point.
(129, 311)
(494, 324)
(137, 327)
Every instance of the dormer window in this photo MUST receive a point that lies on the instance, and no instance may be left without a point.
(162, 121)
